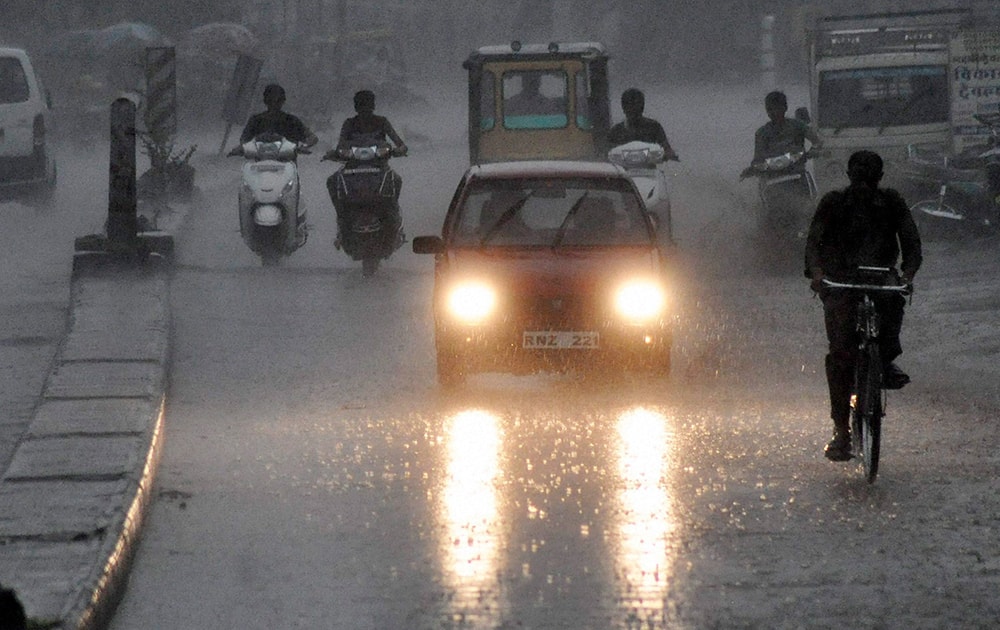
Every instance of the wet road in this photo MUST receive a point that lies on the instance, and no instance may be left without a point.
(315, 476)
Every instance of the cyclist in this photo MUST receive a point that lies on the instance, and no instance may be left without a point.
(861, 225)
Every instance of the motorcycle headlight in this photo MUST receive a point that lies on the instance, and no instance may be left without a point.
(471, 302)
(640, 300)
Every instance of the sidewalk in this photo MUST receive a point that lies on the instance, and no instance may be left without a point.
(76, 492)
(73, 499)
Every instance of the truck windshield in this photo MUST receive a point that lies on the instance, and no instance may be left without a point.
(882, 97)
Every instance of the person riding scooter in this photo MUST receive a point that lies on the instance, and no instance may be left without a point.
(275, 120)
(365, 191)
(366, 128)
(272, 212)
(638, 127)
(781, 134)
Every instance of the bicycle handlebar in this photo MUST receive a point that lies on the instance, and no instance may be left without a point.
(902, 289)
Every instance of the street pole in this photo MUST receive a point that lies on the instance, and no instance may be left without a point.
(768, 78)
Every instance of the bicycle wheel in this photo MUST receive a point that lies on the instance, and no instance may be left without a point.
(866, 409)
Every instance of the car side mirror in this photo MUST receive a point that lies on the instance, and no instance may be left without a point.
(428, 245)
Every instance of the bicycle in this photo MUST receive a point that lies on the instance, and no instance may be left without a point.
(867, 395)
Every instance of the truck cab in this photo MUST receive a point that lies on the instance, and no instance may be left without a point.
(537, 101)
(880, 82)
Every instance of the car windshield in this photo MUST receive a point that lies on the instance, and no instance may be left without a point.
(551, 213)
(13, 82)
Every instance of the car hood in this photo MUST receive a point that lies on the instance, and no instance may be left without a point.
(554, 272)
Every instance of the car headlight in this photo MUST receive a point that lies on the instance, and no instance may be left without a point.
(471, 302)
(640, 300)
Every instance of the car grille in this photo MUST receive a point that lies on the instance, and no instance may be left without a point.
(559, 312)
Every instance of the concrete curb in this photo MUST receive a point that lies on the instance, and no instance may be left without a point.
(74, 499)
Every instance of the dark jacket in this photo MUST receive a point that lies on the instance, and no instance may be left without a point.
(862, 226)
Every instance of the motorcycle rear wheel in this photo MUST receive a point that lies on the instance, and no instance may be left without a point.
(369, 266)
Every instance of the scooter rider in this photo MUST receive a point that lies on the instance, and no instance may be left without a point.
(275, 120)
(780, 134)
(638, 127)
(365, 128)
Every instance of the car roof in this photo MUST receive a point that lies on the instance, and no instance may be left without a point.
(546, 168)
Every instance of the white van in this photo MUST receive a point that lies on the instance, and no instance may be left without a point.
(27, 162)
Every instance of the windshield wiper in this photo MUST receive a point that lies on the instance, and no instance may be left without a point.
(507, 215)
(561, 232)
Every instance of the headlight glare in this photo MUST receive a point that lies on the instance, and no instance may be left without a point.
(640, 301)
(471, 302)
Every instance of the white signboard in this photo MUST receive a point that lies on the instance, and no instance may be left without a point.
(975, 83)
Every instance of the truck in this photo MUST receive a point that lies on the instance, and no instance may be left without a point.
(896, 82)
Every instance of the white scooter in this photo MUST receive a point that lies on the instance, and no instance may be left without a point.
(272, 212)
(642, 160)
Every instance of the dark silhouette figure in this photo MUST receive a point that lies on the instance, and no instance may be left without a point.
(12, 615)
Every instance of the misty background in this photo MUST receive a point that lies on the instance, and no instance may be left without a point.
(323, 50)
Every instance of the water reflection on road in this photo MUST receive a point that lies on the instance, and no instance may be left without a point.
(471, 562)
(603, 502)
(644, 522)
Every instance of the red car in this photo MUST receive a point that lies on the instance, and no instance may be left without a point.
(546, 266)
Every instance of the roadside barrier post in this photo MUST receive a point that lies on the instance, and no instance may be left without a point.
(121, 226)
(121, 243)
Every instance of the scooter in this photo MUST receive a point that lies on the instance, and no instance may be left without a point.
(365, 195)
(961, 192)
(641, 160)
(272, 212)
(787, 194)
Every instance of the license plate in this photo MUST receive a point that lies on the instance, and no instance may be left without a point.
(560, 339)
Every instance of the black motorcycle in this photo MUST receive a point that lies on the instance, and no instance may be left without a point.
(365, 195)
(958, 193)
